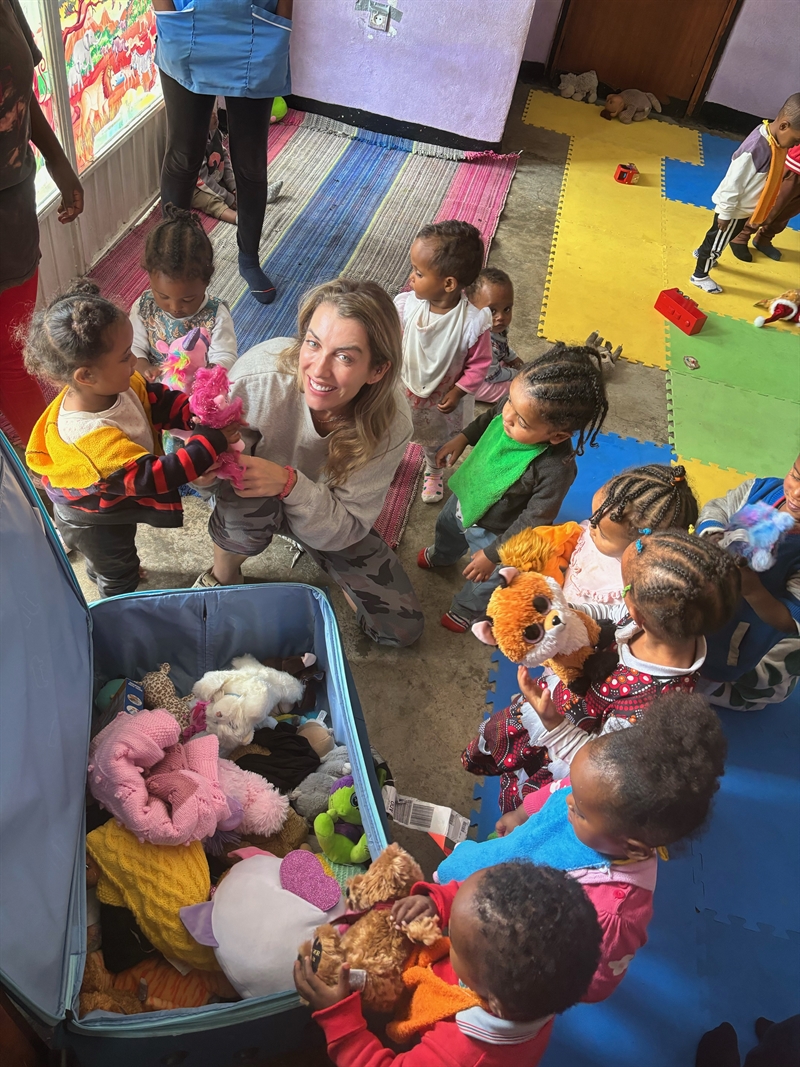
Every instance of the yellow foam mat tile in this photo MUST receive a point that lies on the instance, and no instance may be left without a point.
(709, 481)
(743, 283)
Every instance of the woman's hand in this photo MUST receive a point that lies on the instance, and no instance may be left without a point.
(448, 454)
(70, 188)
(479, 568)
(538, 696)
(313, 990)
(409, 908)
(508, 822)
(261, 477)
(450, 400)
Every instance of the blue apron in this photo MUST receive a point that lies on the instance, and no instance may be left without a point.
(225, 47)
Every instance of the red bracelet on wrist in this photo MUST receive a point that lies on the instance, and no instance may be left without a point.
(291, 482)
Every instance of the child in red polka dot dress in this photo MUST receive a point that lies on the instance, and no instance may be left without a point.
(653, 497)
(676, 590)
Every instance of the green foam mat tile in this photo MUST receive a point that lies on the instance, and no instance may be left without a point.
(732, 427)
(738, 354)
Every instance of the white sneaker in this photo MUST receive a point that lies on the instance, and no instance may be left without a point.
(708, 285)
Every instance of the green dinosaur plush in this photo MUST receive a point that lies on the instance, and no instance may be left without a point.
(332, 827)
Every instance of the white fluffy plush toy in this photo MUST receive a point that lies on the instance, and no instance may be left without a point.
(242, 699)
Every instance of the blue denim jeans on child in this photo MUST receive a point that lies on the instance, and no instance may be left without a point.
(452, 542)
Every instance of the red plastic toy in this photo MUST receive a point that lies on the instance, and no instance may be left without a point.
(680, 310)
(627, 174)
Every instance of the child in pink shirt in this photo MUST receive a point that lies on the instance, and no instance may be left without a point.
(447, 347)
(523, 944)
(629, 794)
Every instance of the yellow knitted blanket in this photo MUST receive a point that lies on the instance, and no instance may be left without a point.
(154, 882)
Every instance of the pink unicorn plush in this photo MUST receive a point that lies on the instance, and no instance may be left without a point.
(183, 358)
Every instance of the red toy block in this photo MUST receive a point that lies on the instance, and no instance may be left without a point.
(627, 174)
(680, 310)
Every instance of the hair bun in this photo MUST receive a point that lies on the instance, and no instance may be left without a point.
(78, 287)
(678, 473)
(179, 214)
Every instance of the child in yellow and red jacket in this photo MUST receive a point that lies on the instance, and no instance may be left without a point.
(97, 446)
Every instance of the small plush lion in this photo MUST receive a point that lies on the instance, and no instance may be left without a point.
(530, 619)
(373, 946)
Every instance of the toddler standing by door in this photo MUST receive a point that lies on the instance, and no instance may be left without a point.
(447, 347)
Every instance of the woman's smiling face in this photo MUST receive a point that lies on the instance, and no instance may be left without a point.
(335, 361)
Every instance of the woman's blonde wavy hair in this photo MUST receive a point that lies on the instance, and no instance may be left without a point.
(352, 444)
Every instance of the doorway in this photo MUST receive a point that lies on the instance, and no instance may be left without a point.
(664, 47)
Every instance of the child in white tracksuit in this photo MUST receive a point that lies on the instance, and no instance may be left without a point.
(749, 188)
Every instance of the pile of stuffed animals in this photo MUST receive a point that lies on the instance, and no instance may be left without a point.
(215, 791)
(630, 105)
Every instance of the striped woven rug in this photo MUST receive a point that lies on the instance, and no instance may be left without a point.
(352, 201)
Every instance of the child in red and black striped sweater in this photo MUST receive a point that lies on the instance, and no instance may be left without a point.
(97, 446)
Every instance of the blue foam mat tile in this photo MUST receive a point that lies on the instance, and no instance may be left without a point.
(747, 974)
(756, 814)
(597, 465)
(484, 818)
(656, 1016)
(692, 184)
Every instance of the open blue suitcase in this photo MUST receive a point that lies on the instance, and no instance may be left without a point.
(55, 652)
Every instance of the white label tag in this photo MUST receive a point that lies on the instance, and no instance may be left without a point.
(420, 815)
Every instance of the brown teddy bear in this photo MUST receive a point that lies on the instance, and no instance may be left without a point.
(373, 945)
(631, 105)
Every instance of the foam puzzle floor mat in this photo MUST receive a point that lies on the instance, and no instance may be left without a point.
(732, 427)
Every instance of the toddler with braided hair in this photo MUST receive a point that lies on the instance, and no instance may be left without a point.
(179, 261)
(519, 471)
(649, 498)
(677, 588)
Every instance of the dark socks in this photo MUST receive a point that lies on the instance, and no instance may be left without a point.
(741, 252)
(257, 281)
(718, 1048)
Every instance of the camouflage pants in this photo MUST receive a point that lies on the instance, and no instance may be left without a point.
(770, 682)
(368, 571)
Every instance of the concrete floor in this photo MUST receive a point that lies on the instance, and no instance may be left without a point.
(424, 703)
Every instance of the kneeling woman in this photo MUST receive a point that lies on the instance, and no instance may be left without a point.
(327, 427)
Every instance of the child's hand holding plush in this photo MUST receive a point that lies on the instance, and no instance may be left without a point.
(314, 991)
(409, 908)
(510, 821)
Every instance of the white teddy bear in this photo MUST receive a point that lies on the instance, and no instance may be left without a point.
(579, 86)
(243, 699)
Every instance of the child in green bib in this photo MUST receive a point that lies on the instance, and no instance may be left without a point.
(521, 465)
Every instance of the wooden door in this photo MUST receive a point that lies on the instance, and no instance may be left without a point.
(664, 47)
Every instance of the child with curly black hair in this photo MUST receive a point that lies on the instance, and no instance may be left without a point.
(179, 260)
(97, 446)
(447, 348)
(524, 943)
(519, 471)
(630, 793)
(677, 588)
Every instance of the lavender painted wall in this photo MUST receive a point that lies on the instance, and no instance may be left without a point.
(760, 66)
(542, 30)
(452, 64)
